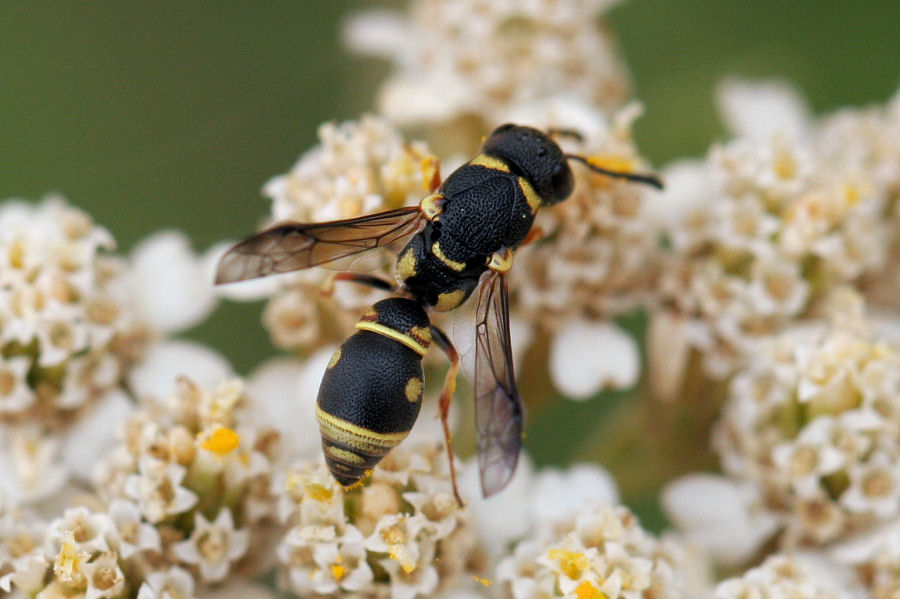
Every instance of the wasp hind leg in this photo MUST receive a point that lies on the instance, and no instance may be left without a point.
(441, 340)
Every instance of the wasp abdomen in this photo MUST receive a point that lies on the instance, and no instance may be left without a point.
(371, 393)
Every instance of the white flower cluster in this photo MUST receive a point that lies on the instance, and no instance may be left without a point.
(775, 219)
(68, 333)
(67, 329)
(74, 320)
(177, 504)
(812, 423)
(598, 256)
(359, 167)
(794, 576)
(400, 535)
(599, 553)
(455, 61)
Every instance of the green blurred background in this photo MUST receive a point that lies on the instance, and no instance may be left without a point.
(173, 114)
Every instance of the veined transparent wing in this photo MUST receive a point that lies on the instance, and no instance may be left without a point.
(294, 246)
(499, 414)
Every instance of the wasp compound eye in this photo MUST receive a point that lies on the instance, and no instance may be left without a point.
(562, 182)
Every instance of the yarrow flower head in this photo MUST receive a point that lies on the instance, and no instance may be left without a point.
(74, 319)
(455, 62)
(769, 224)
(811, 421)
(594, 553)
(795, 576)
(68, 331)
(176, 506)
(66, 328)
(598, 256)
(400, 534)
(359, 167)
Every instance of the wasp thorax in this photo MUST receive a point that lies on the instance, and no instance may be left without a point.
(536, 157)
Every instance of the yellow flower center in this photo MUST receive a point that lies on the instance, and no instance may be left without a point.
(401, 555)
(69, 562)
(338, 571)
(318, 492)
(571, 564)
(588, 591)
(213, 545)
(222, 441)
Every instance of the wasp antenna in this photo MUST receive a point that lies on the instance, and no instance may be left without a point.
(563, 132)
(648, 179)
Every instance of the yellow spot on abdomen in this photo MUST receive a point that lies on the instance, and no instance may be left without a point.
(413, 390)
(335, 358)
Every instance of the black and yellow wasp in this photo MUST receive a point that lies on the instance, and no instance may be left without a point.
(460, 236)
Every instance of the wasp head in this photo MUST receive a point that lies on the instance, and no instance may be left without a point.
(536, 157)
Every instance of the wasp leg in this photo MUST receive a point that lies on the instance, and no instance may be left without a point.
(534, 235)
(441, 340)
(362, 279)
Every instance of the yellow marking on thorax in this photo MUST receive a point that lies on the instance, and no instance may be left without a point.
(432, 205)
(406, 265)
(501, 260)
(392, 334)
(490, 162)
(413, 390)
(335, 358)
(439, 254)
(354, 437)
(450, 300)
(531, 196)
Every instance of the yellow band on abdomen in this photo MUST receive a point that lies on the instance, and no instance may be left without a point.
(354, 437)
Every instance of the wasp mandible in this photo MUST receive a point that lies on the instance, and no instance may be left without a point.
(460, 236)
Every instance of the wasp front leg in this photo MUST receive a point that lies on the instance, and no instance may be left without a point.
(441, 340)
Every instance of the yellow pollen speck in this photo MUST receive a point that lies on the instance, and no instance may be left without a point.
(222, 441)
(337, 570)
(399, 554)
(483, 581)
(785, 166)
(317, 492)
(588, 591)
(17, 254)
(852, 194)
(571, 563)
